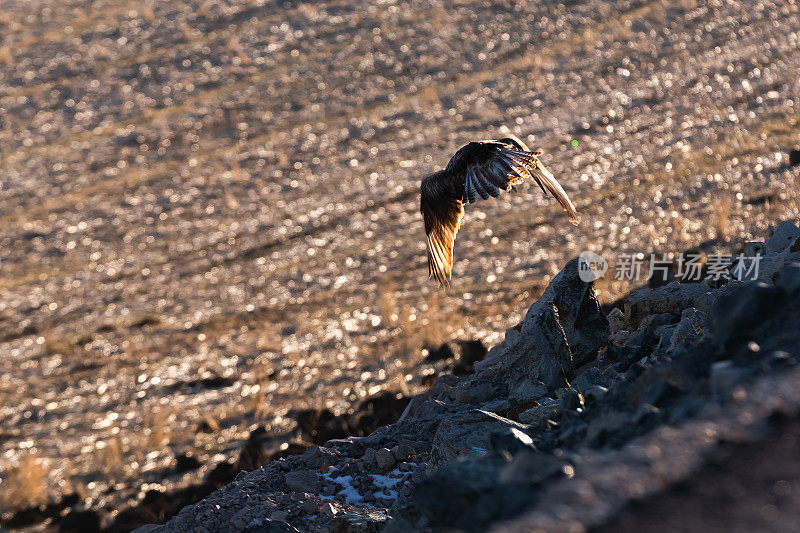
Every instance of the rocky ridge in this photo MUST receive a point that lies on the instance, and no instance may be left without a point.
(576, 413)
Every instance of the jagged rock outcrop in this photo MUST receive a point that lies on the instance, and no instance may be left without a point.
(572, 415)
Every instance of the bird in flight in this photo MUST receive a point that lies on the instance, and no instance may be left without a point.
(478, 169)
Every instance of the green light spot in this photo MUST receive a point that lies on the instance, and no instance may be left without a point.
(574, 143)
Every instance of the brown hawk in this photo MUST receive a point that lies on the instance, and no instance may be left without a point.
(478, 169)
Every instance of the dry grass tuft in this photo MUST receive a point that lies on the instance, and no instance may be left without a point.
(387, 302)
(722, 215)
(261, 377)
(53, 345)
(111, 456)
(24, 484)
(408, 340)
(430, 96)
(268, 340)
(435, 328)
(5, 56)
(157, 429)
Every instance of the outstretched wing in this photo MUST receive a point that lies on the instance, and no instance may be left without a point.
(492, 166)
(478, 169)
(441, 210)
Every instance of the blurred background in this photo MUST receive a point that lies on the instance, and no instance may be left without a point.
(209, 239)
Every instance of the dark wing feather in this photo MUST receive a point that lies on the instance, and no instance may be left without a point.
(441, 210)
(503, 166)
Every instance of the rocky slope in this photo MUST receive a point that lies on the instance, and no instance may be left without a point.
(209, 213)
(573, 416)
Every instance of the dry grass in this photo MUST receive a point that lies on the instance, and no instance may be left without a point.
(111, 456)
(25, 484)
(157, 429)
(408, 337)
(235, 48)
(268, 340)
(435, 325)
(53, 345)
(430, 96)
(261, 377)
(722, 216)
(387, 301)
(5, 56)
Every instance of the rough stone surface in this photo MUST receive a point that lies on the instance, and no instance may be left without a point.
(539, 359)
(547, 409)
(784, 237)
(672, 298)
(303, 481)
(467, 434)
(384, 459)
(585, 326)
(735, 313)
(691, 329)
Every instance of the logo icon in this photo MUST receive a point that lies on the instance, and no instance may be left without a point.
(591, 266)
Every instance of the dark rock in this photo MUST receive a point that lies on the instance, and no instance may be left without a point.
(403, 452)
(672, 299)
(362, 521)
(471, 353)
(440, 390)
(547, 408)
(794, 157)
(616, 320)
(319, 456)
(431, 409)
(384, 459)
(475, 393)
(80, 522)
(186, 463)
(252, 455)
(467, 434)
(511, 441)
(470, 495)
(570, 399)
(783, 238)
(303, 481)
(692, 327)
(579, 315)
(440, 353)
(724, 375)
(608, 429)
(659, 392)
(788, 279)
(589, 378)
(594, 393)
(539, 359)
(270, 526)
(641, 342)
(736, 313)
